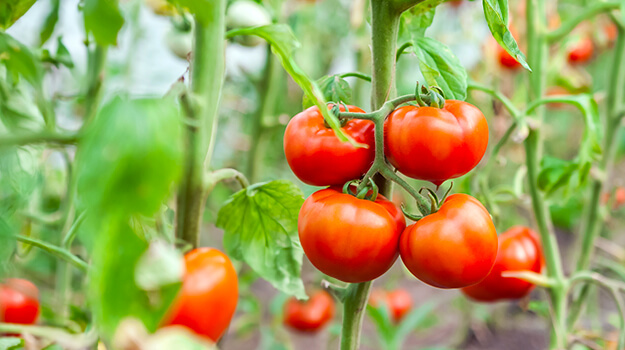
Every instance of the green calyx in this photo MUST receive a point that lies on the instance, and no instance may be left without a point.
(369, 191)
(427, 204)
(429, 97)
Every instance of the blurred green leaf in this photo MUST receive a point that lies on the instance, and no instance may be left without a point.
(415, 319)
(260, 225)
(11, 343)
(442, 68)
(19, 60)
(130, 157)
(381, 318)
(540, 307)
(113, 292)
(334, 88)
(12, 10)
(103, 19)
(50, 23)
(416, 20)
(496, 13)
(62, 56)
(159, 266)
(53, 347)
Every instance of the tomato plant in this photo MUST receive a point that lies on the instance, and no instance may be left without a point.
(19, 301)
(310, 315)
(318, 157)
(209, 294)
(351, 239)
(519, 250)
(448, 141)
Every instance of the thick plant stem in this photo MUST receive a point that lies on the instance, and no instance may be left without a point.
(384, 29)
(537, 59)
(95, 71)
(207, 73)
(354, 306)
(592, 221)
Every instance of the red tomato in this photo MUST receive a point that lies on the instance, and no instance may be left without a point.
(353, 240)
(209, 294)
(581, 52)
(318, 157)
(452, 248)
(19, 301)
(310, 315)
(436, 144)
(519, 250)
(619, 197)
(398, 301)
(506, 60)
(611, 32)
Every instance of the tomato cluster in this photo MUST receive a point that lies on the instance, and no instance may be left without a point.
(356, 239)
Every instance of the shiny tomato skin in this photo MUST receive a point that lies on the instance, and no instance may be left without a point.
(353, 240)
(434, 144)
(581, 52)
(452, 248)
(19, 301)
(506, 60)
(317, 157)
(209, 294)
(519, 250)
(310, 315)
(399, 302)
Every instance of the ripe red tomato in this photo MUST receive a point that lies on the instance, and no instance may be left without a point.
(19, 301)
(353, 240)
(398, 301)
(519, 249)
(452, 248)
(506, 60)
(209, 294)
(318, 157)
(310, 315)
(619, 197)
(436, 144)
(581, 52)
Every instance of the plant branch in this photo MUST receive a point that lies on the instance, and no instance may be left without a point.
(589, 11)
(516, 114)
(359, 75)
(65, 339)
(55, 251)
(41, 137)
(214, 177)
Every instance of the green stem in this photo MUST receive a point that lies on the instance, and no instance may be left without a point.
(207, 73)
(60, 336)
(516, 114)
(55, 251)
(96, 62)
(591, 221)
(359, 75)
(73, 231)
(537, 59)
(217, 176)
(593, 9)
(42, 137)
(354, 306)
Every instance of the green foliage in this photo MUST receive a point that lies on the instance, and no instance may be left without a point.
(131, 156)
(393, 335)
(12, 10)
(103, 20)
(50, 23)
(113, 290)
(11, 343)
(334, 88)
(496, 13)
(62, 56)
(260, 225)
(439, 66)
(19, 60)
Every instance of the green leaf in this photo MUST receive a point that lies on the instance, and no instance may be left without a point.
(441, 67)
(19, 60)
(103, 19)
(260, 225)
(381, 318)
(53, 347)
(113, 292)
(334, 88)
(50, 23)
(283, 43)
(416, 20)
(18, 112)
(11, 343)
(496, 13)
(131, 156)
(12, 10)
(415, 319)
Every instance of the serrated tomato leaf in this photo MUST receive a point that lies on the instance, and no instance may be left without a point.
(334, 88)
(417, 19)
(496, 14)
(260, 225)
(441, 67)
